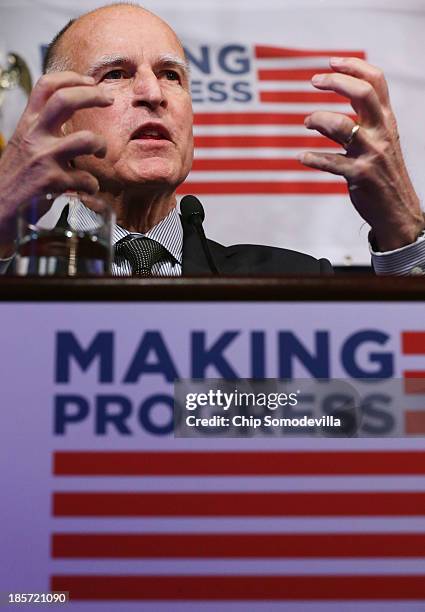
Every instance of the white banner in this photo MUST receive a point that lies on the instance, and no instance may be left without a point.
(251, 69)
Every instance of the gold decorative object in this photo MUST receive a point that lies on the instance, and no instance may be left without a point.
(15, 74)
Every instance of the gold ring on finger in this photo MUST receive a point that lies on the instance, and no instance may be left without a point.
(353, 133)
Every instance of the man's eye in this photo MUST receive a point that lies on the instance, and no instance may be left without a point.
(172, 75)
(114, 74)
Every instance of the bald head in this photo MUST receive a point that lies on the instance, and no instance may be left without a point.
(59, 55)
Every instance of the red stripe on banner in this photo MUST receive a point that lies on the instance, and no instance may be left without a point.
(229, 545)
(243, 588)
(249, 118)
(266, 52)
(304, 74)
(253, 118)
(259, 188)
(414, 422)
(414, 386)
(219, 463)
(239, 504)
(316, 97)
(414, 382)
(413, 343)
(249, 164)
(303, 142)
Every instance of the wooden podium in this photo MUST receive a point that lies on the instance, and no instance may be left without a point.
(337, 288)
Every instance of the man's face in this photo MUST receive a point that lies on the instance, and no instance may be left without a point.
(137, 59)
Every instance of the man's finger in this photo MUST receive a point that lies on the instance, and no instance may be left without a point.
(79, 180)
(361, 69)
(328, 162)
(336, 126)
(49, 83)
(64, 102)
(95, 203)
(361, 94)
(79, 143)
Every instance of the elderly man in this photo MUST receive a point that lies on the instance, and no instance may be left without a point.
(113, 115)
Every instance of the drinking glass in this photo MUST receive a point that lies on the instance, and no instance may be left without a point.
(64, 235)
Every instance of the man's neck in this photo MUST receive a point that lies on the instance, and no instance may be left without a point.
(140, 211)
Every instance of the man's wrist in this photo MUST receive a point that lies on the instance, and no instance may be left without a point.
(391, 239)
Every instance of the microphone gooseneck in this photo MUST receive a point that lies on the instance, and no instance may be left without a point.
(192, 212)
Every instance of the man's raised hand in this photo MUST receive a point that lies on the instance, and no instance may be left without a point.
(373, 165)
(38, 156)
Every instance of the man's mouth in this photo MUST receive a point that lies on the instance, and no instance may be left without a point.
(151, 131)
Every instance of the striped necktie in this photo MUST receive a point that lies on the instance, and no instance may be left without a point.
(142, 253)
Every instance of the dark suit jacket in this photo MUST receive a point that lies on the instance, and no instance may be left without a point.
(247, 259)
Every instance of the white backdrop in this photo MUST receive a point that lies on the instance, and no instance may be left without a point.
(252, 188)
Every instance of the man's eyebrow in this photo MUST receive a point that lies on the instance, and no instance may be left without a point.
(105, 61)
(175, 61)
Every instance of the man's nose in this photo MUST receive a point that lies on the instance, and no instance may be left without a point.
(147, 90)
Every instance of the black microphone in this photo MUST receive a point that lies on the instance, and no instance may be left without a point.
(192, 212)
